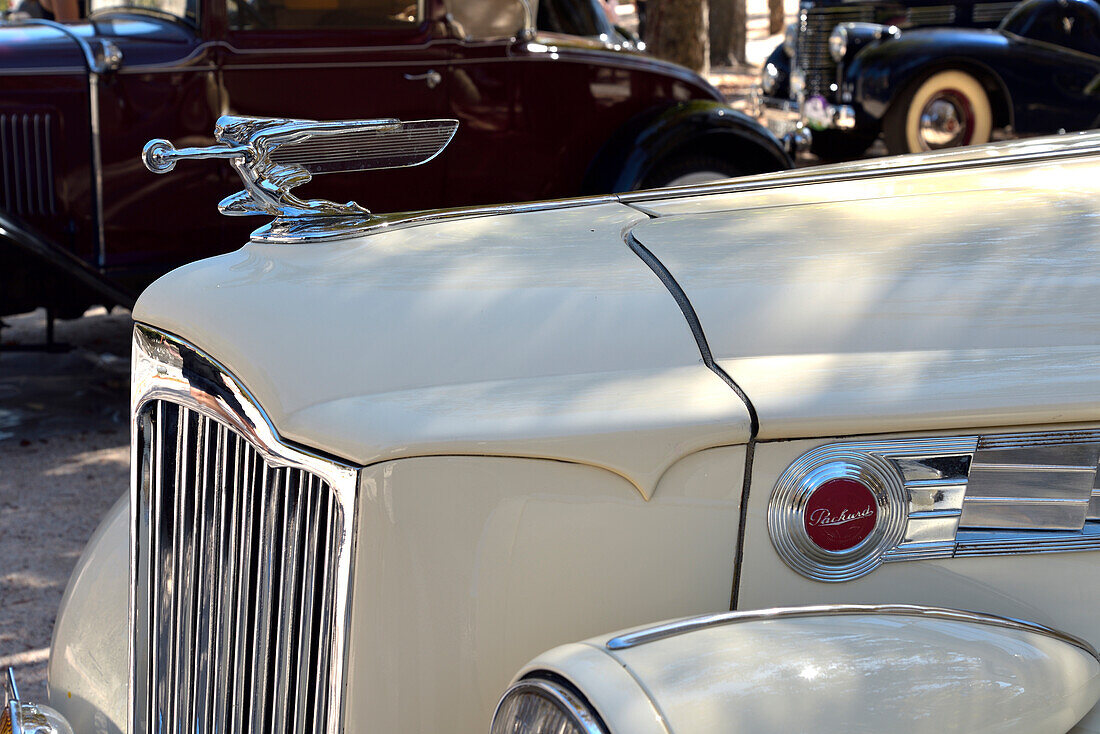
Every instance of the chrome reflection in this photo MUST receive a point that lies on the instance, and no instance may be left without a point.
(692, 624)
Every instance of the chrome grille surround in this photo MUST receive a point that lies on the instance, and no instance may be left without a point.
(284, 556)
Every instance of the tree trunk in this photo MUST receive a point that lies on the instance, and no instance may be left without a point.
(676, 30)
(739, 31)
(775, 17)
(721, 32)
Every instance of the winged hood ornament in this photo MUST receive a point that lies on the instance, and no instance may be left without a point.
(273, 156)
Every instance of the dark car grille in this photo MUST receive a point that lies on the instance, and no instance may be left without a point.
(26, 162)
(815, 27)
(235, 572)
(991, 13)
(930, 15)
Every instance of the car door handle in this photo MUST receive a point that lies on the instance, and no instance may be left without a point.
(431, 77)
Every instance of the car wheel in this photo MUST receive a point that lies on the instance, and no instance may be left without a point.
(949, 109)
(688, 170)
(833, 145)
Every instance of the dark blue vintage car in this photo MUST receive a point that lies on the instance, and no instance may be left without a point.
(1037, 72)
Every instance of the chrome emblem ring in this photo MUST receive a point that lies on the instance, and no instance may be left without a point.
(834, 513)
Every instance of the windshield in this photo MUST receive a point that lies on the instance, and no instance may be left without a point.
(187, 10)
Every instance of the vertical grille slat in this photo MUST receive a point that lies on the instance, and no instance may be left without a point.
(208, 571)
(308, 589)
(165, 563)
(290, 602)
(265, 570)
(236, 568)
(324, 615)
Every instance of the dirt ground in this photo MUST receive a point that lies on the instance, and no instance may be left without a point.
(64, 459)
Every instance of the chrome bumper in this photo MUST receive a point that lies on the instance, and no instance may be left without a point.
(792, 120)
(819, 113)
(782, 118)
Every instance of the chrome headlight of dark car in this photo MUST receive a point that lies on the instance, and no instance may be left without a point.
(838, 42)
(849, 37)
(769, 78)
(543, 706)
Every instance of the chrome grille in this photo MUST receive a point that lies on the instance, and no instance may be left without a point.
(26, 162)
(236, 570)
(931, 15)
(991, 12)
(815, 27)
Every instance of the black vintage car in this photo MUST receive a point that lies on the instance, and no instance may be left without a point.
(1038, 72)
(805, 50)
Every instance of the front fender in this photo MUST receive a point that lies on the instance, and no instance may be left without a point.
(698, 125)
(880, 73)
(89, 656)
(44, 273)
(855, 668)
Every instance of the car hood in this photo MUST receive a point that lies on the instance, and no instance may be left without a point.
(958, 291)
(539, 334)
(142, 40)
(939, 300)
(949, 40)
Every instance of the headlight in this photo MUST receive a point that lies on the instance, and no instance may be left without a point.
(539, 706)
(790, 39)
(838, 43)
(769, 79)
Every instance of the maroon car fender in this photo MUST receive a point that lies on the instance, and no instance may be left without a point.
(33, 262)
(697, 127)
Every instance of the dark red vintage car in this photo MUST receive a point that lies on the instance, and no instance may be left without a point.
(542, 115)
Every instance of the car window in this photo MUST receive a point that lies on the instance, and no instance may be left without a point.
(312, 14)
(1071, 23)
(184, 9)
(1084, 31)
(573, 17)
(488, 19)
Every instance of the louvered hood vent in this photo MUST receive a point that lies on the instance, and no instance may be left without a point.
(27, 162)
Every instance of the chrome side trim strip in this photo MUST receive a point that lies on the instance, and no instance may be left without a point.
(167, 369)
(693, 624)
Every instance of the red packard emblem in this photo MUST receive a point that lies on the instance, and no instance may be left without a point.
(840, 514)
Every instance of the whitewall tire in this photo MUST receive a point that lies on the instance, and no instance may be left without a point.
(949, 109)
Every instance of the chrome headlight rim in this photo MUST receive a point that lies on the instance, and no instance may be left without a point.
(769, 78)
(560, 694)
(838, 43)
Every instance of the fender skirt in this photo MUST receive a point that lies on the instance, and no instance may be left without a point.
(53, 256)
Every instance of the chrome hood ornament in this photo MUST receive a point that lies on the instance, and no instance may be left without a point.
(272, 156)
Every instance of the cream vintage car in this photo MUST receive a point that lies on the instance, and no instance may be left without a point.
(811, 451)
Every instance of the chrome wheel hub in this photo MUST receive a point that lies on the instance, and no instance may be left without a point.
(946, 121)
